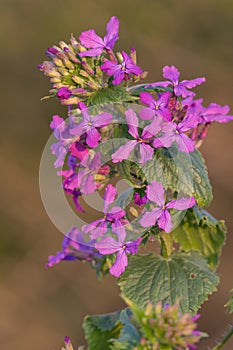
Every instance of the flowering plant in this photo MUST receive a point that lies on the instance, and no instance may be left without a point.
(149, 135)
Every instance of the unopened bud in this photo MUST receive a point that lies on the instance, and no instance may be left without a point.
(58, 62)
(68, 64)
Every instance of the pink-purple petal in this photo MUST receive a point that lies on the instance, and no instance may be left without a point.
(123, 152)
(102, 119)
(185, 144)
(150, 217)
(132, 121)
(120, 264)
(181, 204)
(93, 137)
(146, 153)
(164, 221)
(146, 113)
(171, 73)
(108, 245)
(155, 193)
(91, 40)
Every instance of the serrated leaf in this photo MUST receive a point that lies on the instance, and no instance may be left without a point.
(183, 277)
(182, 172)
(116, 93)
(124, 198)
(229, 304)
(135, 90)
(129, 336)
(201, 231)
(100, 329)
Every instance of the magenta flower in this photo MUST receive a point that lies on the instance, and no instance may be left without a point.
(138, 200)
(215, 113)
(146, 151)
(156, 107)
(160, 214)
(90, 124)
(99, 227)
(180, 88)
(121, 71)
(92, 41)
(74, 248)
(64, 93)
(176, 133)
(109, 245)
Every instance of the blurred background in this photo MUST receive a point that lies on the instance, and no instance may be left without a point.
(40, 306)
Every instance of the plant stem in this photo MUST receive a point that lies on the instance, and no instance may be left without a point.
(166, 244)
(223, 341)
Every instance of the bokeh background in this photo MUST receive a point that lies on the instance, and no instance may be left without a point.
(38, 307)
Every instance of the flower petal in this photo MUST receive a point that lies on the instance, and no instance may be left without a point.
(93, 137)
(150, 217)
(171, 73)
(120, 264)
(102, 119)
(164, 221)
(155, 193)
(91, 40)
(123, 152)
(182, 203)
(108, 245)
(112, 29)
(146, 113)
(132, 121)
(146, 153)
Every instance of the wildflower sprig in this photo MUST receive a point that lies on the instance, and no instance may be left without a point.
(148, 134)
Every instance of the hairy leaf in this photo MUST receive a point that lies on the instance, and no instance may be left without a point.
(201, 231)
(184, 277)
(181, 172)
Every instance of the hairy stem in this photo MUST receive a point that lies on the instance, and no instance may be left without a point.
(223, 341)
(166, 244)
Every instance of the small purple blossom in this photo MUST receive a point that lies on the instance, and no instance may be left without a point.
(138, 200)
(160, 214)
(92, 41)
(180, 88)
(64, 93)
(109, 245)
(90, 124)
(74, 248)
(215, 113)
(155, 107)
(173, 132)
(121, 71)
(99, 227)
(146, 151)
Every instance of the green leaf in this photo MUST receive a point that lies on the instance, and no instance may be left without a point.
(116, 93)
(124, 198)
(100, 329)
(229, 304)
(135, 90)
(129, 336)
(184, 277)
(182, 172)
(201, 231)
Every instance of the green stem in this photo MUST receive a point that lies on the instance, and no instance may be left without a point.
(223, 341)
(166, 244)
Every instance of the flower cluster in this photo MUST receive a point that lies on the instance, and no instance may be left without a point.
(84, 67)
(168, 115)
(166, 328)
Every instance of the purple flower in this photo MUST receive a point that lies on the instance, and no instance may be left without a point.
(215, 113)
(160, 214)
(90, 124)
(109, 245)
(180, 88)
(176, 132)
(138, 200)
(92, 41)
(64, 93)
(99, 227)
(120, 71)
(156, 107)
(146, 151)
(74, 248)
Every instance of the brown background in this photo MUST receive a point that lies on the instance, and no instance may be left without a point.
(38, 306)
